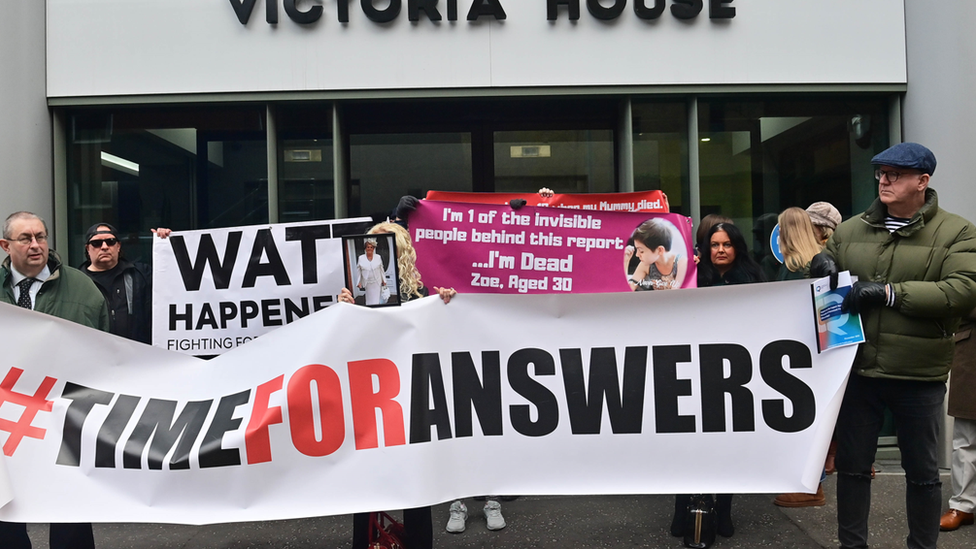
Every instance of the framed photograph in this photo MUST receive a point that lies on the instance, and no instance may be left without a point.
(371, 269)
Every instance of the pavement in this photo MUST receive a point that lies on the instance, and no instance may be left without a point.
(582, 522)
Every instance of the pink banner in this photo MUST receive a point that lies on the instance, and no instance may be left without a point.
(485, 248)
(640, 201)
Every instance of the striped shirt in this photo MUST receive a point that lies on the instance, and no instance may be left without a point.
(894, 223)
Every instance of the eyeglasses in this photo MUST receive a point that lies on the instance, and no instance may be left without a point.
(892, 176)
(26, 240)
(107, 241)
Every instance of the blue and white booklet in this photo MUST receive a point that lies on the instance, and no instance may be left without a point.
(834, 328)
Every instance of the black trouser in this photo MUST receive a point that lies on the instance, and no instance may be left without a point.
(13, 535)
(917, 407)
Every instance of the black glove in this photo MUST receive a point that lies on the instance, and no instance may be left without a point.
(517, 203)
(406, 205)
(823, 265)
(862, 296)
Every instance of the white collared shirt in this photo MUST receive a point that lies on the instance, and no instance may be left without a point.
(16, 277)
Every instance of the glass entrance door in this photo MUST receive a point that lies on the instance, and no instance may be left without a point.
(501, 145)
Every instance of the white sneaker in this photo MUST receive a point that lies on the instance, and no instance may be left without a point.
(459, 514)
(493, 514)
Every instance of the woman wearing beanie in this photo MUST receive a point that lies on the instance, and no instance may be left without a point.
(825, 219)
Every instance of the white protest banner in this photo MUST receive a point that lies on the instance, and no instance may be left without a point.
(707, 390)
(216, 289)
(6, 493)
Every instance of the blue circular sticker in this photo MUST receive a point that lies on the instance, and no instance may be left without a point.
(774, 244)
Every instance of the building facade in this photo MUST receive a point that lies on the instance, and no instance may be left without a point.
(190, 115)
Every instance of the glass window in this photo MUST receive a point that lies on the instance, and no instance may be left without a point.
(661, 151)
(566, 161)
(759, 157)
(306, 184)
(485, 145)
(144, 168)
(384, 167)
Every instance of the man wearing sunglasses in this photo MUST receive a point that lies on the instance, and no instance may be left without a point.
(33, 277)
(916, 269)
(127, 286)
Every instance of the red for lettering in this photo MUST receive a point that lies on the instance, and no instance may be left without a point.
(32, 404)
(300, 410)
(257, 439)
(365, 402)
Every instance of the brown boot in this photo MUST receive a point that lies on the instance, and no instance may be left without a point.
(799, 499)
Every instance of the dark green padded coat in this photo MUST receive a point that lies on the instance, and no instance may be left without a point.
(931, 263)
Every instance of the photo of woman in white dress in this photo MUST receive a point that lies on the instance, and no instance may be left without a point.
(371, 273)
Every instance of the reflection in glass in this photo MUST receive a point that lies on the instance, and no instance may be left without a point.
(181, 168)
(305, 180)
(566, 161)
(661, 151)
(384, 167)
(758, 158)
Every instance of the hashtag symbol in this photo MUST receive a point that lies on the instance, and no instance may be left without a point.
(32, 404)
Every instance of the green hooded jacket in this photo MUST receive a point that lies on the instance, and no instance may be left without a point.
(68, 293)
(931, 263)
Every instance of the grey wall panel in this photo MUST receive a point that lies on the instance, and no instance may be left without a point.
(25, 139)
(939, 109)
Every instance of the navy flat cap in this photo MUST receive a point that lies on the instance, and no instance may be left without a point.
(907, 155)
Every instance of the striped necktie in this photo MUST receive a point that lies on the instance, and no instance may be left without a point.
(25, 285)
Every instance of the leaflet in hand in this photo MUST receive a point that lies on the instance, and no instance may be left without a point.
(834, 328)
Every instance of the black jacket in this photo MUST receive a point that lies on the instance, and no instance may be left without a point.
(129, 300)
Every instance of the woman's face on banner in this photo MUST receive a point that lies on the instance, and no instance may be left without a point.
(723, 254)
(645, 254)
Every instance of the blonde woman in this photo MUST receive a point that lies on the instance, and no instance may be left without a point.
(801, 246)
(798, 243)
(417, 522)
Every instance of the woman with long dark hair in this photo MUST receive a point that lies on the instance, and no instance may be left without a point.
(727, 260)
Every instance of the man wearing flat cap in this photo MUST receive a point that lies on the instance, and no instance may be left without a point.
(916, 269)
